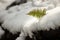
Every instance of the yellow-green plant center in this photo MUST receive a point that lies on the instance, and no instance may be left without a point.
(37, 13)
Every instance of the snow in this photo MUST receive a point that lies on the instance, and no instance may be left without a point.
(22, 36)
(5, 3)
(16, 19)
(1, 32)
(15, 24)
(3, 13)
(51, 20)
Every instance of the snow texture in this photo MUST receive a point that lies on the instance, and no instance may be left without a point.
(50, 20)
(16, 19)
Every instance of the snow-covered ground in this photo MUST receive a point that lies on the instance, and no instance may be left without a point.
(16, 19)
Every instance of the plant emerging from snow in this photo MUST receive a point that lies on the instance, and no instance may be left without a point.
(28, 23)
(37, 13)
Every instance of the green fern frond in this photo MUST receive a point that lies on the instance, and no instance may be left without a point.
(37, 13)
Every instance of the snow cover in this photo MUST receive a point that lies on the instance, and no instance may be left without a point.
(50, 20)
(15, 24)
(5, 15)
(16, 19)
(2, 15)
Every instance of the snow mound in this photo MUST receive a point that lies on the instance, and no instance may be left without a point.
(51, 20)
(15, 24)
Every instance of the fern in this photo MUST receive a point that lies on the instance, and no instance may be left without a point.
(37, 13)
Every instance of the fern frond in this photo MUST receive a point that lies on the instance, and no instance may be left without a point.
(37, 13)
